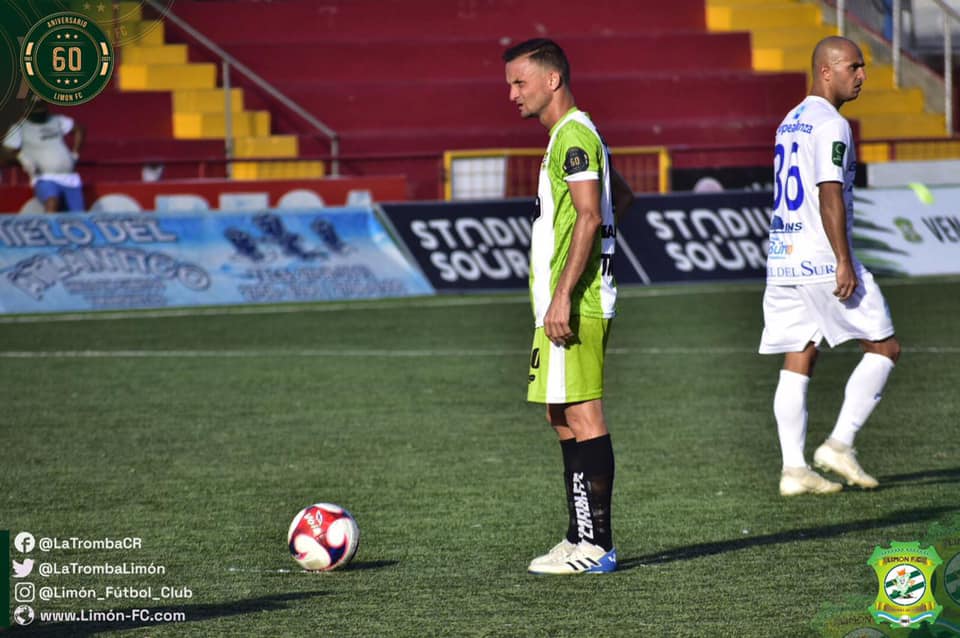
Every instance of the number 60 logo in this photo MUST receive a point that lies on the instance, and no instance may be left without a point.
(66, 59)
(72, 60)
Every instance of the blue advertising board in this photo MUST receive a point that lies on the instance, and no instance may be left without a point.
(52, 263)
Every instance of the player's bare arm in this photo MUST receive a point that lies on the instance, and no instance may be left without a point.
(833, 212)
(586, 200)
(79, 137)
(622, 193)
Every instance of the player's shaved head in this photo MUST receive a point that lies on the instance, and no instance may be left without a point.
(837, 70)
(830, 49)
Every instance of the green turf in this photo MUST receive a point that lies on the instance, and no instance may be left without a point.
(204, 434)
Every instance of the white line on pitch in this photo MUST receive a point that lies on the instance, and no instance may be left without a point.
(398, 353)
(440, 301)
(245, 354)
(251, 570)
(339, 306)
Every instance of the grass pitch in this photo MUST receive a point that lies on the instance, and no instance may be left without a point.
(203, 433)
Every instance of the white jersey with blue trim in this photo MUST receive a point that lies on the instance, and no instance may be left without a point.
(814, 144)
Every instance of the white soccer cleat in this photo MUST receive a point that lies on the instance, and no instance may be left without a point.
(586, 558)
(844, 464)
(557, 555)
(803, 480)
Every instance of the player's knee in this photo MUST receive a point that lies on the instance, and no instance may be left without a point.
(893, 350)
(555, 417)
(587, 428)
(889, 348)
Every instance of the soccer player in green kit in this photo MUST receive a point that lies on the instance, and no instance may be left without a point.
(573, 293)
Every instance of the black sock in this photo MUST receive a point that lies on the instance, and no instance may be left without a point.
(596, 459)
(571, 466)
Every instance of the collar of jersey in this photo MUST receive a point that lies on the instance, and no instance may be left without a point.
(822, 99)
(563, 120)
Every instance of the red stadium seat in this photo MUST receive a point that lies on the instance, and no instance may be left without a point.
(414, 78)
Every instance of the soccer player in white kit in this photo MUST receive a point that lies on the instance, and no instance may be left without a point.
(816, 289)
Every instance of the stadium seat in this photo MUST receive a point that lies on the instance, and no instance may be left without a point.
(399, 92)
(784, 33)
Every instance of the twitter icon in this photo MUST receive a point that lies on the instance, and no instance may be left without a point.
(22, 570)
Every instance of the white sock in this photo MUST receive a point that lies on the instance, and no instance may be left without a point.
(790, 410)
(862, 394)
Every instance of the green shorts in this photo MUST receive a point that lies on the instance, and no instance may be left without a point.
(570, 373)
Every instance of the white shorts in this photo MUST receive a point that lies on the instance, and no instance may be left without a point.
(794, 316)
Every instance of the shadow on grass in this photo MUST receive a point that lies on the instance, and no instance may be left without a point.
(925, 477)
(804, 534)
(192, 613)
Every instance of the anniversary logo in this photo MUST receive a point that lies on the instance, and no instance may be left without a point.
(67, 59)
(62, 51)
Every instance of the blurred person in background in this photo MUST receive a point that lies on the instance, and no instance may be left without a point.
(39, 146)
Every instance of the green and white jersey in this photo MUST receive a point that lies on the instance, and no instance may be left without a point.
(576, 152)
